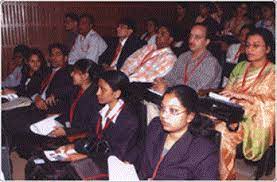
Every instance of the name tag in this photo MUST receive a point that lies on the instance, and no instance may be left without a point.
(67, 124)
(39, 161)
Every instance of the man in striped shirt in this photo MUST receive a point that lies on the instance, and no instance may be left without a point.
(197, 68)
(152, 61)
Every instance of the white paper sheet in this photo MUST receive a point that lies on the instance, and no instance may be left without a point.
(52, 155)
(155, 92)
(120, 171)
(45, 126)
(219, 97)
(10, 97)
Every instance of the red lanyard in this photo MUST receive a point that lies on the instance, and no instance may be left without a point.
(99, 130)
(117, 51)
(255, 81)
(73, 106)
(193, 70)
(157, 167)
(147, 58)
(47, 81)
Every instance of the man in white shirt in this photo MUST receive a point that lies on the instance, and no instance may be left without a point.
(89, 44)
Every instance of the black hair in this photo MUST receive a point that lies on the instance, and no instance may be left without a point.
(23, 49)
(207, 5)
(199, 126)
(186, 95)
(243, 3)
(269, 5)
(131, 24)
(247, 8)
(214, 7)
(72, 16)
(36, 51)
(43, 67)
(209, 33)
(183, 5)
(170, 28)
(250, 27)
(154, 20)
(117, 80)
(90, 67)
(89, 17)
(268, 39)
(60, 46)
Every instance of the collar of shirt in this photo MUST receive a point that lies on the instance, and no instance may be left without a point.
(90, 33)
(43, 95)
(113, 113)
(123, 41)
(199, 56)
(160, 51)
(56, 69)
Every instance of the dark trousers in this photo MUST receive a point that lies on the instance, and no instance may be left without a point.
(17, 123)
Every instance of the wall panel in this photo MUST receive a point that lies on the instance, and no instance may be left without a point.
(39, 23)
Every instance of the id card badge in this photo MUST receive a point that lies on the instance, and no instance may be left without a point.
(39, 161)
(67, 124)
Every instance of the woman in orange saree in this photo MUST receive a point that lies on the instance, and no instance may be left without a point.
(252, 85)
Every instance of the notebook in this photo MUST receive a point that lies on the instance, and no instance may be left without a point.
(45, 126)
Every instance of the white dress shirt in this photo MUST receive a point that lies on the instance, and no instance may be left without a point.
(14, 78)
(90, 46)
(113, 114)
(231, 53)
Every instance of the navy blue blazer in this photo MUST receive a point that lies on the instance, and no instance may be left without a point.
(86, 111)
(33, 86)
(60, 82)
(189, 158)
(132, 44)
(61, 86)
(123, 135)
(20, 119)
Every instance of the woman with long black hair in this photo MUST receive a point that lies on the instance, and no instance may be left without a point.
(177, 147)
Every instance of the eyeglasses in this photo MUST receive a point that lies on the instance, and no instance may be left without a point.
(255, 46)
(171, 111)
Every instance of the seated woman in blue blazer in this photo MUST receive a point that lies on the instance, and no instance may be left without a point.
(83, 112)
(117, 123)
(33, 72)
(175, 148)
(79, 119)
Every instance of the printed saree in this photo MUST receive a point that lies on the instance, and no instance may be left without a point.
(257, 128)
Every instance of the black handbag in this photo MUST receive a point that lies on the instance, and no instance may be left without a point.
(97, 147)
(86, 169)
(95, 168)
(225, 111)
